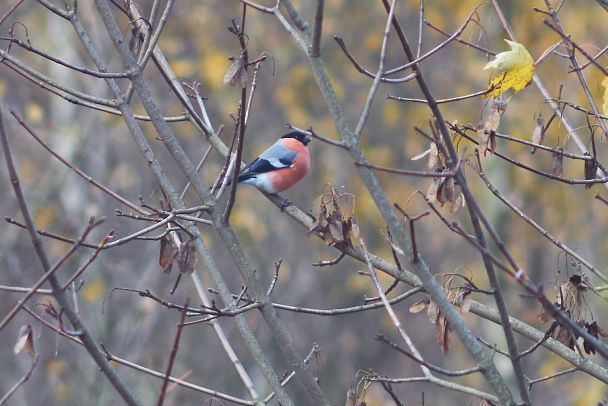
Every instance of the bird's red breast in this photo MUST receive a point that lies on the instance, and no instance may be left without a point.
(283, 179)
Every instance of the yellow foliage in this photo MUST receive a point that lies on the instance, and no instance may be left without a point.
(93, 290)
(605, 97)
(56, 369)
(213, 66)
(246, 218)
(517, 66)
(372, 42)
(45, 215)
(183, 67)
(391, 115)
(33, 112)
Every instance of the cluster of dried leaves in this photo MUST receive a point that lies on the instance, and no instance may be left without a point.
(486, 136)
(333, 228)
(572, 301)
(486, 132)
(442, 189)
(459, 296)
(185, 255)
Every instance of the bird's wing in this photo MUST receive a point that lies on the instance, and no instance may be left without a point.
(275, 157)
(279, 156)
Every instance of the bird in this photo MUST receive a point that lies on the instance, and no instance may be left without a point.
(280, 167)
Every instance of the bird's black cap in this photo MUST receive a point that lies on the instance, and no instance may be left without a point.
(298, 136)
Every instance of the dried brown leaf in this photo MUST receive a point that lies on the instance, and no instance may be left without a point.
(482, 138)
(487, 132)
(538, 135)
(354, 226)
(335, 229)
(492, 123)
(558, 164)
(433, 156)
(493, 143)
(236, 73)
(432, 312)
(25, 340)
(590, 170)
(443, 335)
(465, 304)
(564, 337)
(592, 329)
(458, 202)
(322, 216)
(420, 306)
(167, 254)
(320, 223)
(187, 258)
(543, 317)
(431, 193)
(447, 191)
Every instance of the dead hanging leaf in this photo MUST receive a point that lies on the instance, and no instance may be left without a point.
(497, 109)
(487, 138)
(236, 73)
(433, 157)
(331, 228)
(517, 67)
(432, 312)
(564, 337)
(482, 138)
(336, 230)
(351, 228)
(443, 334)
(486, 132)
(457, 204)
(420, 306)
(168, 250)
(590, 170)
(493, 142)
(465, 303)
(446, 192)
(558, 164)
(538, 135)
(25, 340)
(354, 226)
(187, 258)
(592, 329)
(431, 193)
(543, 317)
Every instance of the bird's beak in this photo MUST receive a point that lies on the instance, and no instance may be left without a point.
(306, 140)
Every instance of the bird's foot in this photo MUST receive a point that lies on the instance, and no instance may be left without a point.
(284, 203)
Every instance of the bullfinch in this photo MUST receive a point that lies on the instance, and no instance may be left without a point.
(280, 166)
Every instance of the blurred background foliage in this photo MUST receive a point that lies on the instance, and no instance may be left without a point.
(197, 44)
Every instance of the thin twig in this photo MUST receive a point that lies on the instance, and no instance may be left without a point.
(178, 336)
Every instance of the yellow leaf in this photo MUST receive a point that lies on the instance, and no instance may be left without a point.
(517, 67)
(34, 112)
(605, 105)
(93, 290)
